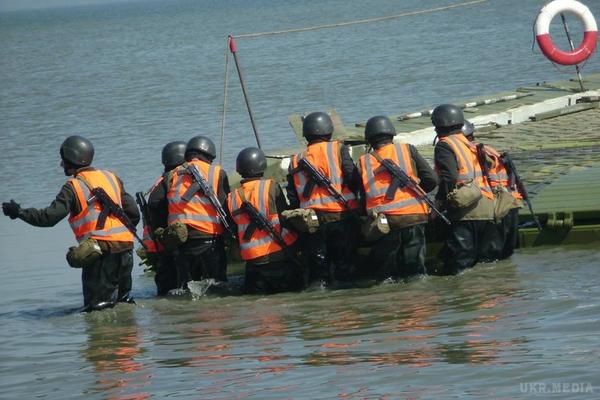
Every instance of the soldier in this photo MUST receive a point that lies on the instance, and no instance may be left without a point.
(401, 252)
(157, 212)
(507, 196)
(106, 241)
(202, 255)
(465, 192)
(266, 244)
(324, 178)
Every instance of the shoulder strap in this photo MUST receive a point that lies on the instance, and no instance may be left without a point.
(240, 191)
(85, 182)
(377, 156)
(380, 159)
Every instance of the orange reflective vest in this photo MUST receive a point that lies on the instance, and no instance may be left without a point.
(376, 182)
(84, 223)
(260, 244)
(468, 163)
(198, 212)
(152, 246)
(325, 157)
(498, 175)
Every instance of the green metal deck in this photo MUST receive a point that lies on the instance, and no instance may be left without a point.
(568, 208)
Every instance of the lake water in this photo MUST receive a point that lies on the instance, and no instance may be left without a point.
(133, 76)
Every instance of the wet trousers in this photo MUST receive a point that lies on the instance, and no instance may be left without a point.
(509, 232)
(107, 281)
(470, 242)
(330, 252)
(399, 254)
(199, 259)
(166, 273)
(272, 277)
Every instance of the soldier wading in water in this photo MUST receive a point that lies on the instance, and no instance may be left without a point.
(106, 242)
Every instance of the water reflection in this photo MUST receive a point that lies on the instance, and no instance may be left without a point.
(114, 350)
(402, 326)
(228, 342)
(486, 307)
(416, 324)
(259, 344)
(268, 347)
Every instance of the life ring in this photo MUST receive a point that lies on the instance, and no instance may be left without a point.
(542, 32)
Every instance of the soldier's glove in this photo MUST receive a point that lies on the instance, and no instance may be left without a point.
(11, 209)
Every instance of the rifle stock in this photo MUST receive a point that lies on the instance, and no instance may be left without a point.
(308, 188)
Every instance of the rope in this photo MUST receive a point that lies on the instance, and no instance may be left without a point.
(361, 21)
(319, 27)
(578, 67)
(224, 101)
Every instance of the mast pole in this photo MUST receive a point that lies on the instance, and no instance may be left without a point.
(233, 49)
(564, 21)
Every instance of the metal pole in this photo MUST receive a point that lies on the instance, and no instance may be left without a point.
(564, 21)
(226, 86)
(233, 50)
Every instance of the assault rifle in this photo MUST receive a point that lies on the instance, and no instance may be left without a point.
(401, 180)
(203, 185)
(109, 207)
(512, 170)
(316, 177)
(140, 199)
(259, 221)
(481, 157)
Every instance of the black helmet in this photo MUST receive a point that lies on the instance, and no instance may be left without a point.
(251, 162)
(446, 115)
(377, 126)
(173, 153)
(201, 144)
(468, 128)
(317, 124)
(77, 151)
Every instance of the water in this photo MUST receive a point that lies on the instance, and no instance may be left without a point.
(134, 76)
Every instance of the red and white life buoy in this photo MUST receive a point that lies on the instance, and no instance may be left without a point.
(542, 32)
